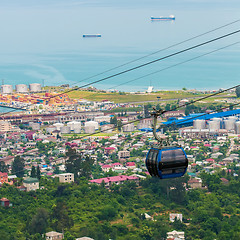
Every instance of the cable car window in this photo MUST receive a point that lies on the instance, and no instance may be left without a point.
(180, 170)
(149, 161)
(167, 171)
(174, 155)
(155, 162)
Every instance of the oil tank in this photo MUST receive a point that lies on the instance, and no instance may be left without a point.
(35, 87)
(107, 128)
(50, 129)
(214, 125)
(77, 130)
(199, 124)
(74, 124)
(89, 129)
(34, 126)
(58, 125)
(92, 123)
(128, 127)
(65, 129)
(21, 88)
(233, 118)
(229, 124)
(6, 89)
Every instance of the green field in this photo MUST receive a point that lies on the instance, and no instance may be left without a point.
(128, 97)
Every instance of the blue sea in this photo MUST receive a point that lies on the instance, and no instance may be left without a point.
(41, 42)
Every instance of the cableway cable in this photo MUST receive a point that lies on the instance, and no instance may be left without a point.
(148, 63)
(158, 51)
(140, 66)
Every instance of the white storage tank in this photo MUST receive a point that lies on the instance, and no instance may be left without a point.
(128, 127)
(58, 125)
(107, 128)
(21, 88)
(237, 124)
(35, 87)
(199, 124)
(229, 124)
(89, 129)
(74, 124)
(214, 125)
(92, 123)
(6, 89)
(77, 130)
(50, 129)
(216, 119)
(34, 126)
(65, 129)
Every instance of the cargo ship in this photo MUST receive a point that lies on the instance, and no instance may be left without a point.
(92, 35)
(170, 18)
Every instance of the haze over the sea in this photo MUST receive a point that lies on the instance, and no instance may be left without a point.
(42, 40)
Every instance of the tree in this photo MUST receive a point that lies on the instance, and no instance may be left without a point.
(38, 173)
(81, 167)
(18, 166)
(39, 222)
(61, 219)
(3, 167)
(119, 125)
(33, 172)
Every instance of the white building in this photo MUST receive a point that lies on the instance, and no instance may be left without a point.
(31, 184)
(175, 234)
(173, 216)
(66, 177)
(5, 126)
(54, 236)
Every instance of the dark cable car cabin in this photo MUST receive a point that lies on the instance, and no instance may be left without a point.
(167, 162)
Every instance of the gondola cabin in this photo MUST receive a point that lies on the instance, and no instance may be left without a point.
(167, 162)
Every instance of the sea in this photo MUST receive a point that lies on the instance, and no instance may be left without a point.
(42, 42)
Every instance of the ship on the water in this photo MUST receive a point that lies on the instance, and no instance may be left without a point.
(92, 35)
(170, 18)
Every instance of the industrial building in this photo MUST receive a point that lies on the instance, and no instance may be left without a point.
(6, 89)
(188, 120)
(21, 88)
(35, 87)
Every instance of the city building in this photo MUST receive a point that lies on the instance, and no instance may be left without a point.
(3, 178)
(123, 154)
(66, 177)
(31, 184)
(5, 126)
(174, 216)
(195, 183)
(175, 235)
(4, 202)
(54, 236)
(108, 181)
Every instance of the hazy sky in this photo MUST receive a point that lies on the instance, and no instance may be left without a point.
(33, 26)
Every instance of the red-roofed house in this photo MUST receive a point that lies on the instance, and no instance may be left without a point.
(195, 183)
(4, 202)
(131, 165)
(106, 168)
(210, 160)
(3, 177)
(116, 180)
(207, 145)
(109, 150)
(224, 181)
(117, 165)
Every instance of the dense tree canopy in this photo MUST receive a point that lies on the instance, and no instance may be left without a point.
(18, 166)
